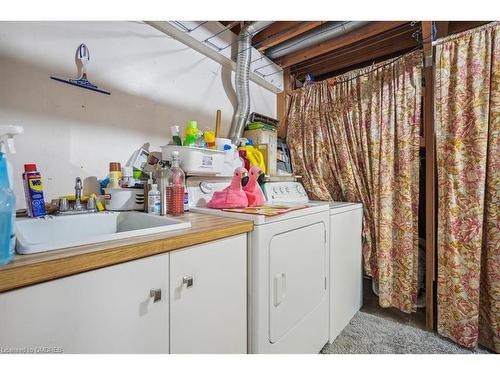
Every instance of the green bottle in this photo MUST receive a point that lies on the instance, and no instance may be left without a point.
(175, 135)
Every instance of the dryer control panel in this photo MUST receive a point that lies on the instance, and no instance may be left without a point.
(285, 192)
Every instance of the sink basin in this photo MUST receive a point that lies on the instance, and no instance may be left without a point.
(58, 232)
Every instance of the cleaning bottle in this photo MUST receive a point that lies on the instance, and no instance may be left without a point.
(175, 135)
(154, 200)
(200, 140)
(209, 136)
(161, 177)
(175, 187)
(115, 174)
(7, 213)
(7, 133)
(190, 133)
(148, 184)
(33, 191)
(252, 155)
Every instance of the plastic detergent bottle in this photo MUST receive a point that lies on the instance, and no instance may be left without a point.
(209, 136)
(7, 213)
(154, 202)
(253, 156)
(175, 187)
(191, 133)
(33, 191)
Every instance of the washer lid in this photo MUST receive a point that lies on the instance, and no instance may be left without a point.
(338, 207)
(340, 204)
(262, 219)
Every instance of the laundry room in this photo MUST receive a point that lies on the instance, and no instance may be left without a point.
(225, 180)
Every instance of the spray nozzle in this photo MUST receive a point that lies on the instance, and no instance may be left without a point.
(7, 133)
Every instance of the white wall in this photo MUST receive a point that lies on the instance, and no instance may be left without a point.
(155, 82)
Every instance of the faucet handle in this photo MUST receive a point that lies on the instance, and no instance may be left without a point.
(63, 204)
(91, 203)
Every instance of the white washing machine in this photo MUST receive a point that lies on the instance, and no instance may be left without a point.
(346, 264)
(288, 270)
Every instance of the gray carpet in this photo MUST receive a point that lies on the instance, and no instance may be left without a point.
(370, 334)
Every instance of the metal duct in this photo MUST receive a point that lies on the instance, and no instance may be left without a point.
(313, 37)
(242, 75)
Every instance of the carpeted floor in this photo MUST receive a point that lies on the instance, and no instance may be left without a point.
(370, 334)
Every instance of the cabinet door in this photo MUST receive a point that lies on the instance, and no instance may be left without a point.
(108, 310)
(208, 297)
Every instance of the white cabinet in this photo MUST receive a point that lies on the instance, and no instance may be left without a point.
(108, 310)
(113, 309)
(208, 297)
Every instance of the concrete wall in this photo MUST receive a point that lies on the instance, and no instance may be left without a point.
(155, 82)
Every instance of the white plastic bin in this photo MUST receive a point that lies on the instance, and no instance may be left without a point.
(124, 199)
(196, 161)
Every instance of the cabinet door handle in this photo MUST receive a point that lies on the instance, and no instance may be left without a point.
(155, 294)
(188, 280)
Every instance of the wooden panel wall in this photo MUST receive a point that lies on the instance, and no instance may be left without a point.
(281, 102)
(430, 176)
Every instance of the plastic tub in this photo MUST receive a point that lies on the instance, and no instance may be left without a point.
(195, 160)
(124, 199)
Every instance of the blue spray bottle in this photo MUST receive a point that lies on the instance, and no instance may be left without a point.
(7, 212)
(7, 197)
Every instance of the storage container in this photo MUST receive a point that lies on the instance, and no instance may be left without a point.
(196, 161)
(124, 199)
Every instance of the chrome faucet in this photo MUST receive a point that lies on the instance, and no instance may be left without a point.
(78, 194)
(78, 207)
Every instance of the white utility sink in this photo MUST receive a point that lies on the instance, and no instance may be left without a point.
(58, 232)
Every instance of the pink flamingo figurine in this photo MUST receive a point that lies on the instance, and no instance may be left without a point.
(233, 196)
(252, 189)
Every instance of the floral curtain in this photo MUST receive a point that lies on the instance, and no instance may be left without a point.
(356, 138)
(467, 121)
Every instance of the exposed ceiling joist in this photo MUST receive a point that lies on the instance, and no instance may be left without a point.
(381, 45)
(230, 24)
(442, 28)
(385, 48)
(354, 36)
(454, 27)
(280, 32)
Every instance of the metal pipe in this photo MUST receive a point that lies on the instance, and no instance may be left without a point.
(242, 77)
(319, 34)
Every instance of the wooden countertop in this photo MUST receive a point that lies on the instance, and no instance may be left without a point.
(26, 270)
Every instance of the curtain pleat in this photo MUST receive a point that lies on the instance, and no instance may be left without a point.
(467, 121)
(356, 138)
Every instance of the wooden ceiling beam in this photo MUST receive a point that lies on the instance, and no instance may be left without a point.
(389, 43)
(355, 36)
(365, 54)
(459, 26)
(280, 32)
(442, 28)
(233, 26)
